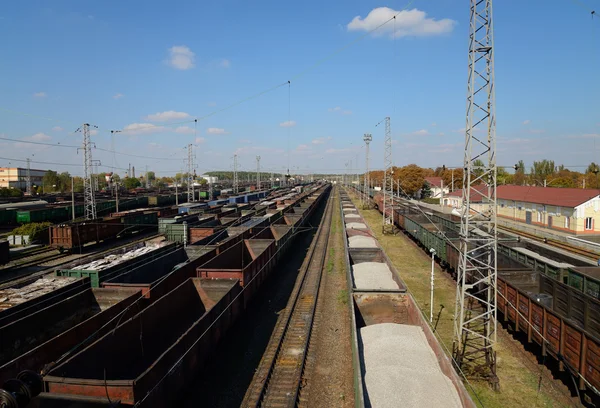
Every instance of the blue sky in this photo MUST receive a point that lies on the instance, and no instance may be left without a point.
(149, 68)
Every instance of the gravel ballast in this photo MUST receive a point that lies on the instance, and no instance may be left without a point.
(360, 241)
(402, 370)
(373, 275)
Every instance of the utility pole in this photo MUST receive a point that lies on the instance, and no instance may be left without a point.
(210, 188)
(235, 174)
(367, 139)
(388, 180)
(475, 315)
(73, 196)
(257, 172)
(272, 181)
(89, 201)
(176, 191)
(190, 192)
(117, 196)
(28, 177)
(147, 179)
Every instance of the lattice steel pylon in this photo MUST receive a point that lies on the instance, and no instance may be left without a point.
(89, 201)
(475, 314)
(257, 172)
(388, 181)
(367, 139)
(235, 174)
(190, 169)
(28, 177)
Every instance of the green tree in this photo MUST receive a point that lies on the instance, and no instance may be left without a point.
(425, 191)
(542, 170)
(151, 176)
(131, 182)
(411, 178)
(64, 182)
(519, 176)
(51, 181)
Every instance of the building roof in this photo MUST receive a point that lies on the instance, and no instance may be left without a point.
(434, 181)
(476, 196)
(563, 197)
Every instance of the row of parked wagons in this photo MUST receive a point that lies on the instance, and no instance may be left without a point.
(561, 314)
(146, 330)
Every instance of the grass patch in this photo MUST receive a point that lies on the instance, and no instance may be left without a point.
(518, 384)
(342, 297)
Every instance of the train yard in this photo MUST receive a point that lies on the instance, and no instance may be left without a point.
(145, 307)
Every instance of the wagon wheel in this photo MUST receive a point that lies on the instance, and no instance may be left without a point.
(19, 390)
(33, 380)
(8, 400)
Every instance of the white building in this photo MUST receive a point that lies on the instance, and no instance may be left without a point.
(209, 179)
(436, 186)
(16, 177)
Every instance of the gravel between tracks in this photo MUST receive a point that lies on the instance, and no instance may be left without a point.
(402, 370)
(373, 275)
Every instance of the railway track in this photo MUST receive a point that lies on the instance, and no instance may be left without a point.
(279, 378)
(561, 245)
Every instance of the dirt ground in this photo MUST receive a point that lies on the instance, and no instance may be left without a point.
(329, 372)
(517, 368)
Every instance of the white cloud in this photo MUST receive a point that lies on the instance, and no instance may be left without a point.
(142, 128)
(216, 131)
(184, 129)
(181, 57)
(212, 104)
(200, 140)
(434, 124)
(166, 116)
(246, 141)
(288, 123)
(537, 131)
(340, 110)
(422, 132)
(57, 129)
(441, 134)
(321, 140)
(303, 147)
(225, 63)
(118, 96)
(526, 122)
(154, 145)
(408, 23)
(39, 137)
(40, 95)
(93, 132)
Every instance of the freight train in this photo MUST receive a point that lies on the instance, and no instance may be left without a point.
(138, 331)
(40, 211)
(561, 313)
(395, 353)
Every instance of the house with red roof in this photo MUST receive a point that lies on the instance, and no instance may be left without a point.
(574, 210)
(436, 185)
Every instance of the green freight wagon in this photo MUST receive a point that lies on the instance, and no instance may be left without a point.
(8, 217)
(98, 276)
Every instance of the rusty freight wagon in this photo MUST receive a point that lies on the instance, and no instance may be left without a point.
(392, 343)
(45, 334)
(250, 261)
(568, 319)
(76, 235)
(150, 358)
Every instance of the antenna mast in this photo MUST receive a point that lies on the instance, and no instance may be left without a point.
(235, 174)
(388, 181)
(257, 172)
(475, 313)
(28, 177)
(89, 201)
